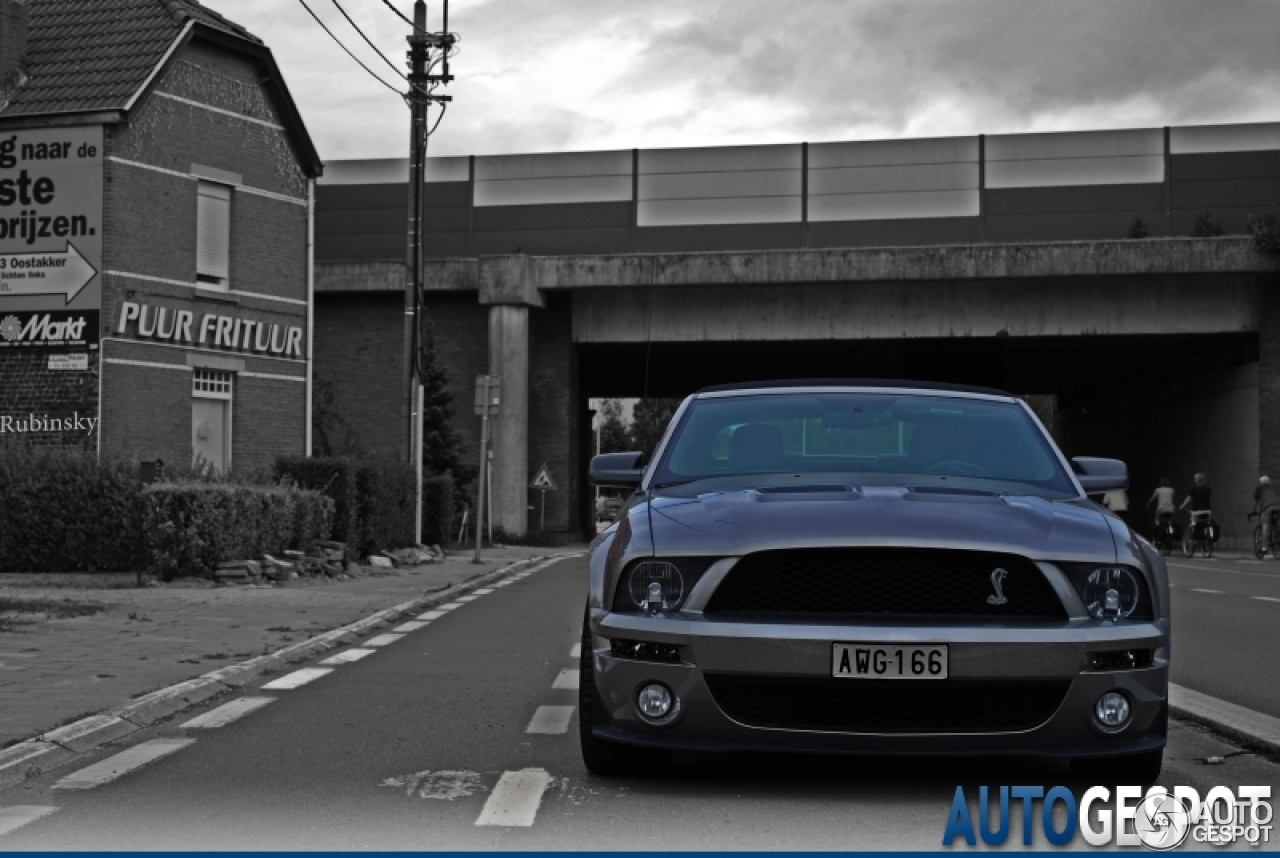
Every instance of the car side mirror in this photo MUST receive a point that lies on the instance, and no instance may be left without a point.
(616, 470)
(1100, 475)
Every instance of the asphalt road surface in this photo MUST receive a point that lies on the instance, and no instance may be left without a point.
(461, 734)
(1226, 629)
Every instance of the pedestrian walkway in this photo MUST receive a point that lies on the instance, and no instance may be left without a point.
(55, 671)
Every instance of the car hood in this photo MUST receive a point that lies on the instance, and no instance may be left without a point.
(744, 520)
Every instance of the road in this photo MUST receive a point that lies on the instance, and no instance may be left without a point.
(426, 743)
(1226, 629)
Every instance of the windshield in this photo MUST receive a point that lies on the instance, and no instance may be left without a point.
(894, 436)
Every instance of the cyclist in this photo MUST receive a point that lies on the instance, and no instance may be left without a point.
(1163, 498)
(1198, 499)
(1266, 500)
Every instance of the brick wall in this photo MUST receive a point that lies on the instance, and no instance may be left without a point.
(30, 388)
(150, 232)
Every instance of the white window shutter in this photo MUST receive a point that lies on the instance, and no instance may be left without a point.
(213, 231)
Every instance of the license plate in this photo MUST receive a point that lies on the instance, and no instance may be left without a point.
(886, 661)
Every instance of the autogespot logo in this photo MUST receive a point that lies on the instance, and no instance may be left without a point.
(1160, 819)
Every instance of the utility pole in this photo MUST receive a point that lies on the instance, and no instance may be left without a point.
(420, 97)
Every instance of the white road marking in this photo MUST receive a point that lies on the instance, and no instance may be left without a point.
(347, 656)
(483, 591)
(551, 720)
(1173, 565)
(1213, 592)
(122, 763)
(576, 652)
(13, 818)
(1265, 598)
(297, 678)
(1250, 562)
(383, 640)
(470, 598)
(228, 712)
(568, 678)
(411, 626)
(446, 785)
(452, 606)
(431, 615)
(515, 800)
(501, 584)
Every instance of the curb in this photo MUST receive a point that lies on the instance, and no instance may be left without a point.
(1245, 725)
(59, 747)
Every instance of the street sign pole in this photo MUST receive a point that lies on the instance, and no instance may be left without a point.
(542, 525)
(484, 462)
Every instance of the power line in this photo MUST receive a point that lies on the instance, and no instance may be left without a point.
(367, 41)
(348, 50)
(402, 17)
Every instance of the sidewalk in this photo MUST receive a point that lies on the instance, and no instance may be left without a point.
(54, 671)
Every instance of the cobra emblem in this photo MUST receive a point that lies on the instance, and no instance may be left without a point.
(997, 584)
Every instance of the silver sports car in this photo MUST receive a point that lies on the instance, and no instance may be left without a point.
(871, 568)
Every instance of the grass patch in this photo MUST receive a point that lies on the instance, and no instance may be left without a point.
(70, 580)
(12, 607)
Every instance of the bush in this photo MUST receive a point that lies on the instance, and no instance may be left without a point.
(191, 527)
(437, 510)
(335, 477)
(62, 511)
(1206, 225)
(1265, 229)
(386, 504)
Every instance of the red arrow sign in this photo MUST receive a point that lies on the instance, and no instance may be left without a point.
(65, 273)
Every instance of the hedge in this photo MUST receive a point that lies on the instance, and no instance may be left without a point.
(190, 527)
(374, 498)
(62, 511)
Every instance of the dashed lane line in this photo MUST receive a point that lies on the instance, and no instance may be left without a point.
(470, 598)
(516, 798)
(568, 679)
(13, 818)
(383, 640)
(576, 652)
(483, 591)
(1174, 565)
(1211, 592)
(347, 656)
(228, 712)
(122, 764)
(551, 720)
(452, 606)
(1265, 598)
(411, 626)
(431, 615)
(297, 679)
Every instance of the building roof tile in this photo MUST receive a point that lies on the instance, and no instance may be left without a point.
(87, 55)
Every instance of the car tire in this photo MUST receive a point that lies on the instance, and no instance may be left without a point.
(601, 756)
(1137, 769)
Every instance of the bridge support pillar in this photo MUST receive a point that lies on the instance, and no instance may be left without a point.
(509, 291)
(1269, 377)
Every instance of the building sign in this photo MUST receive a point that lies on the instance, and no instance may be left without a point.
(69, 362)
(51, 219)
(53, 331)
(209, 330)
(23, 424)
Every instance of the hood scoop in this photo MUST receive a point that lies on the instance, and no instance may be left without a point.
(947, 494)
(781, 494)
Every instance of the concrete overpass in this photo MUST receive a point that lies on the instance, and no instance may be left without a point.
(1163, 351)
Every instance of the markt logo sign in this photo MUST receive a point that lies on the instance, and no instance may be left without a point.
(51, 219)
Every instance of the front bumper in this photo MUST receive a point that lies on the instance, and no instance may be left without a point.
(787, 651)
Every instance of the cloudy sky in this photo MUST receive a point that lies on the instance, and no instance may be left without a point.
(558, 75)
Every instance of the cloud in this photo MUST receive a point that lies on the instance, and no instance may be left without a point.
(539, 75)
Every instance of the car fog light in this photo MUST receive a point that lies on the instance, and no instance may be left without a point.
(1111, 594)
(656, 704)
(1112, 710)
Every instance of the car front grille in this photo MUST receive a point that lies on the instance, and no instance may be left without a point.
(885, 582)
(887, 706)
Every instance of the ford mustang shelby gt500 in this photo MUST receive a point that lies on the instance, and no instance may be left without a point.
(871, 567)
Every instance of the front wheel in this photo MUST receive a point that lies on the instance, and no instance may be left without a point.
(1139, 769)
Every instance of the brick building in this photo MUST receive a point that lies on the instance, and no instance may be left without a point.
(156, 187)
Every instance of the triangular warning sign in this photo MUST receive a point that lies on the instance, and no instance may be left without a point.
(542, 480)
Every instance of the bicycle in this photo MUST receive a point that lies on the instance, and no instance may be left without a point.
(1166, 535)
(1196, 538)
(1273, 542)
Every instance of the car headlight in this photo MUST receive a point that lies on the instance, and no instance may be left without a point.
(657, 585)
(1111, 592)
